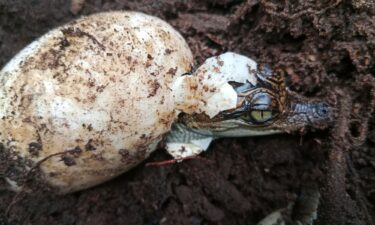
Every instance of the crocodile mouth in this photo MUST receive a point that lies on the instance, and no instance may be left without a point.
(303, 112)
(298, 113)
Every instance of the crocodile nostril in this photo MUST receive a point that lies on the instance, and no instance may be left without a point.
(323, 109)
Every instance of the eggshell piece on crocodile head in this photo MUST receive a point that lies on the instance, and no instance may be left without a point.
(208, 88)
(90, 99)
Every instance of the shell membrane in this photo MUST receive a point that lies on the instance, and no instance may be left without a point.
(91, 99)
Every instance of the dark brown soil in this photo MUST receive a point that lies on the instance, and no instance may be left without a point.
(326, 48)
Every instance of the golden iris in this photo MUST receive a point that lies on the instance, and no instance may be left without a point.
(261, 115)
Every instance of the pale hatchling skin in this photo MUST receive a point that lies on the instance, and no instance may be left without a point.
(99, 86)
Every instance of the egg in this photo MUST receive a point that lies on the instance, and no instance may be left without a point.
(90, 99)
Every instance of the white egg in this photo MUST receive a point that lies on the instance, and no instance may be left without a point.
(90, 99)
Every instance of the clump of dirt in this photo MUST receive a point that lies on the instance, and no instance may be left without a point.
(326, 49)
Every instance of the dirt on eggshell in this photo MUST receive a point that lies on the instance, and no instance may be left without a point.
(326, 49)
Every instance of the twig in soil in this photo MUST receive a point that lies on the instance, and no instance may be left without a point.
(173, 161)
(334, 194)
(271, 9)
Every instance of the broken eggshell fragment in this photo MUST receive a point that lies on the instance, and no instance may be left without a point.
(91, 99)
(208, 90)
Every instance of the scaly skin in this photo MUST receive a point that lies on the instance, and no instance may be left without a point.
(289, 111)
(254, 101)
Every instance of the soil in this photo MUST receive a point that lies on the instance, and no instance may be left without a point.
(327, 50)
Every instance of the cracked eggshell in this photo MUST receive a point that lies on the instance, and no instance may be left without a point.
(216, 72)
(91, 98)
(208, 90)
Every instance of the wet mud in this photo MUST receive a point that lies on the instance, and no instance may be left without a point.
(326, 50)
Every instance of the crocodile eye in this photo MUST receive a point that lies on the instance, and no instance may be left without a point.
(260, 108)
(261, 115)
